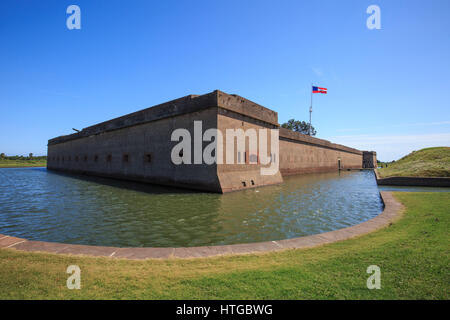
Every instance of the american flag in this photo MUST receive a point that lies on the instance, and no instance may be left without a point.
(319, 90)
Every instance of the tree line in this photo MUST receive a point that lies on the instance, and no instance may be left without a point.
(299, 126)
(3, 156)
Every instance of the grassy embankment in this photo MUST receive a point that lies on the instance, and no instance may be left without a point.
(413, 254)
(17, 163)
(429, 162)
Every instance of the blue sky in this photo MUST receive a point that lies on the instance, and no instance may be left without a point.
(388, 88)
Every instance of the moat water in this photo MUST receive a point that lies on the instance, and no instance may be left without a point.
(37, 204)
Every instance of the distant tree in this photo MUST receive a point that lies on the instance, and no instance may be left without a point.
(2, 156)
(30, 155)
(299, 126)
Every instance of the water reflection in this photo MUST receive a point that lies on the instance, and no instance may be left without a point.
(40, 205)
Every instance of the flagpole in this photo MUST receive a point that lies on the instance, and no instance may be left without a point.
(310, 110)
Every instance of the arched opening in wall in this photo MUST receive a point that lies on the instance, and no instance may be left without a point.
(126, 157)
(96, 158)
(148, 158)
(339, 164)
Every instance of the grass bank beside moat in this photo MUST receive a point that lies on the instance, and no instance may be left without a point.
(8, 163)
(413, 254)
(428, 162)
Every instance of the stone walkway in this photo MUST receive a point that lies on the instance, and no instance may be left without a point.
(390, 213)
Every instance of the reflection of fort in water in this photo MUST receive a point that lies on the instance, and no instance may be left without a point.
(82, 209)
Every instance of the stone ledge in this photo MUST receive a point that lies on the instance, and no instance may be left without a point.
(391, 212)
(413, 181)
(297, 137)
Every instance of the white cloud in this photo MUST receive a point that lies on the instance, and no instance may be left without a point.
(393, 147)
(317, 71)
(422, 124)
(419, 124)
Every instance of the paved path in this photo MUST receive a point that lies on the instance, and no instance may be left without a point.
(390, 213)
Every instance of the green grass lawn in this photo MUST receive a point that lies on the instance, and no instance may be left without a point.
(8, 163)
(429, 162)
(413, 254)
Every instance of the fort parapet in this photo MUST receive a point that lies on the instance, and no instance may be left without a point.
(138, 146)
